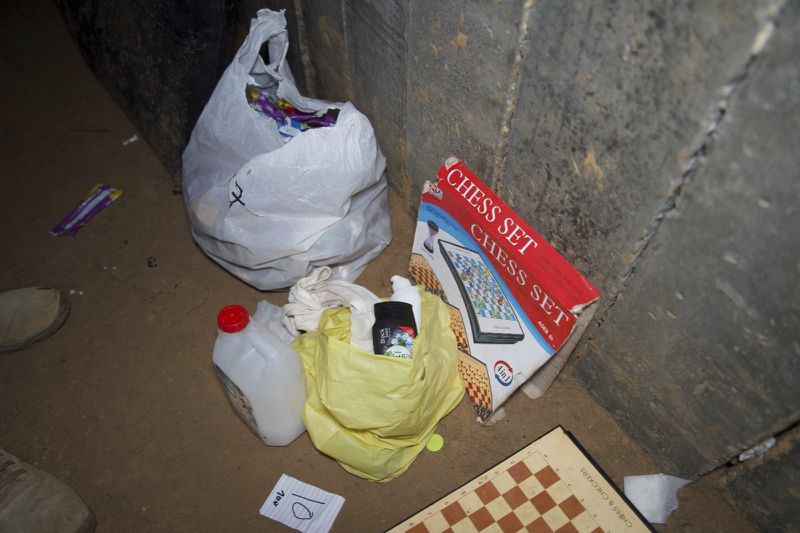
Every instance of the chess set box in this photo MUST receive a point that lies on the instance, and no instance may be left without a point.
(513, 299)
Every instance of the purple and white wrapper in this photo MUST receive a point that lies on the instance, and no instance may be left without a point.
(95, 201)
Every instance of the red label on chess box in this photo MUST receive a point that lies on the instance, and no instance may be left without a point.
(516, 295)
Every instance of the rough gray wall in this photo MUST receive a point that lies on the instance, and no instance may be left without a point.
(461, 57)
(702, 345)
(160, 60)
(652, 147)
(376, 57)
(613, 100)
(768, 487)
(580, 114)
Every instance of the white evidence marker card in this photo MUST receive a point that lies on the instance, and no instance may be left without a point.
(302, 506)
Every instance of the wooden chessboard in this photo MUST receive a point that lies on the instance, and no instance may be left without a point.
(550, 485)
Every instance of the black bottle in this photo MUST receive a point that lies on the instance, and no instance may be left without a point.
(395, 330)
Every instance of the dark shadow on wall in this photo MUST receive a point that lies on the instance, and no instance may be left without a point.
(160, 61)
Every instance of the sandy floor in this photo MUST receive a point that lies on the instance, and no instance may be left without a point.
(122, 402)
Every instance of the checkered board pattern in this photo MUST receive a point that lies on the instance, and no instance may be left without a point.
(529, 495)
(485, 294)
(422, 274)
(457, 325)
(527, 492)
(473, 372)
(476, 381)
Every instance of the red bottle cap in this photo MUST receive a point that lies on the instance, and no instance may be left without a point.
(233, 318)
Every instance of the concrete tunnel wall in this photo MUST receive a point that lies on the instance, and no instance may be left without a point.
(650, 143)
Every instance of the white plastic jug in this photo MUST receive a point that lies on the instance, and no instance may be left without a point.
(262, 376)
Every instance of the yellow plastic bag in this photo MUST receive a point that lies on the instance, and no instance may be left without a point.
(374, 413)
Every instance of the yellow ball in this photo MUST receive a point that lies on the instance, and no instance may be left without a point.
(435, 443)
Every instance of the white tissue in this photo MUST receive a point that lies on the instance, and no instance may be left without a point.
(655, 495)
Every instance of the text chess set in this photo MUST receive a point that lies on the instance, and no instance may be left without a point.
(513, 297)
(550, 485)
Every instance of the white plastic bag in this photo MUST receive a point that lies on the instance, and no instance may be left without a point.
(270, 211)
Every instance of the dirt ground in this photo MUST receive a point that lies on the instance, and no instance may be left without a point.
(122, 403)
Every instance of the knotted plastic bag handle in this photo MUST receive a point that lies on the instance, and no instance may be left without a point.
(268, 26)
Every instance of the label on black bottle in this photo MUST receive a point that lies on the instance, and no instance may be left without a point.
(396, 341)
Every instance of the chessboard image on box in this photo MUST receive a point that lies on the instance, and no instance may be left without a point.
(476, 382)
(421, 272)
(491, 316)
(473, 371)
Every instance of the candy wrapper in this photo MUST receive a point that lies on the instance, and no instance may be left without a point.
(98, 198)
(289, 121)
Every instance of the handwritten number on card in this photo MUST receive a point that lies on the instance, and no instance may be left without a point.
(298, 508)
(301, 512)
(302, 506)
